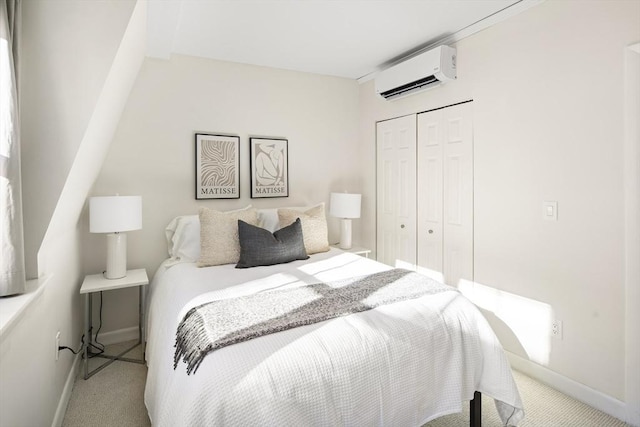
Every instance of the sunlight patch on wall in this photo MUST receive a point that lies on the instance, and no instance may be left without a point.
(528, 319)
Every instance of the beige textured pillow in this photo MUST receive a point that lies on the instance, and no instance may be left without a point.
(314, 227)
(219, 242)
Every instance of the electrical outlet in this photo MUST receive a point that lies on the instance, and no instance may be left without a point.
(57, 345)
(556, 329)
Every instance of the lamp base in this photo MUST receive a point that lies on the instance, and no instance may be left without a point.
(116, 256)
(345, 233)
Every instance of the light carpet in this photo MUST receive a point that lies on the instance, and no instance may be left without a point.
(114, 397)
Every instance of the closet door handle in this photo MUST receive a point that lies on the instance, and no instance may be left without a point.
(401, 225)
(430, 231)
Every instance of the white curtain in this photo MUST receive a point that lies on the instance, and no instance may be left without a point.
(12, 274)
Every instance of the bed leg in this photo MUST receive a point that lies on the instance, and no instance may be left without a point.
(475, 410)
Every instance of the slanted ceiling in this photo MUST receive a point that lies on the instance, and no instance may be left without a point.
(348, 38)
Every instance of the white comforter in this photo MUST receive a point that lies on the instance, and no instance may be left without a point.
(402, 364)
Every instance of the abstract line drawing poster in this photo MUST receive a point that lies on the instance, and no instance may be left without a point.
(217, 166)
(269, 167)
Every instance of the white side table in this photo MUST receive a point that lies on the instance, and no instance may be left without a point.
(355, 250)
(98, 283)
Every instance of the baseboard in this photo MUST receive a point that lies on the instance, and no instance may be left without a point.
(118, 336)
(578, 391)
(66, 392)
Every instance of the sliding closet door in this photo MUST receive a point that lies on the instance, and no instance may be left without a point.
(445, 193)
(396, 191)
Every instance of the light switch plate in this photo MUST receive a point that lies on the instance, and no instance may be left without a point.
(550, 211)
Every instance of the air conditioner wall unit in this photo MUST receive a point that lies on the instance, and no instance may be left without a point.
(419, 73)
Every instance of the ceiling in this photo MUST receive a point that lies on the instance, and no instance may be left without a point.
(346, 38)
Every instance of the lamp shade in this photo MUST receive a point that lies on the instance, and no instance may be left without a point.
(114, 214)
(345, 205)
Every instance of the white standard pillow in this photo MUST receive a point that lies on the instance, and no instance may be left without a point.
(269, 219)
(183, 238)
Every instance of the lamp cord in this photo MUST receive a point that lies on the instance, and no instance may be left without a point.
(99, 347)
(64, 347)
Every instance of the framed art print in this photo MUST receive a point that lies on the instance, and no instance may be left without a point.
(269, 167)
(217, 166)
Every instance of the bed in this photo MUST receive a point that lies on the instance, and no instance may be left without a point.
(399, 364)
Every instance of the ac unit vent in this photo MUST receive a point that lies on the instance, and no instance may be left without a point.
(409, 87)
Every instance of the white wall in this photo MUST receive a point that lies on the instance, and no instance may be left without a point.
(73, 91)
(632, 229)
(67, 50)
(153, 152)
(548, 104)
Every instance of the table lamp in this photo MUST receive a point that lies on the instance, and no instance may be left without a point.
(115, 215)
(345, 206)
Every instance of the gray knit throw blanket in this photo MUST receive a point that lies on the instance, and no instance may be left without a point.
(220, 323)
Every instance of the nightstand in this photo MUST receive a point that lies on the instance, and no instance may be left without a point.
(355, 250)
(98, 283)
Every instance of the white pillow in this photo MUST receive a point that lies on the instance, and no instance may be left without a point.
(314, 226)
(269, 219)
(183, 238)
(219, 242)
